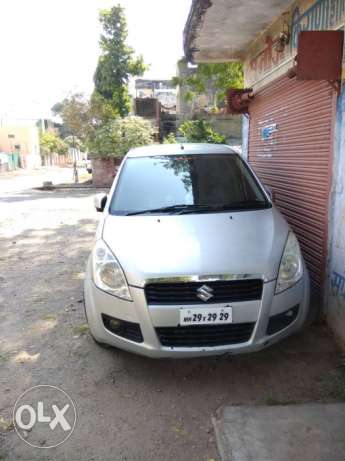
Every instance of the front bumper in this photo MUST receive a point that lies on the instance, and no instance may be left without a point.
(149, 318)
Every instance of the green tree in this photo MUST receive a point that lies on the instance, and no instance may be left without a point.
(80, 117)
(101, 111)
(72, 141)
(200, 131)
(74, 112)
(117, 137)
(117, 62)
(220, 76)
(50, 143)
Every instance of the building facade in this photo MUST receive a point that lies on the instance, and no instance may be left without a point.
(294, 133)
(22, 142)
(163, 90)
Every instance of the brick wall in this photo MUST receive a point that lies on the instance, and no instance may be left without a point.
(104, 170)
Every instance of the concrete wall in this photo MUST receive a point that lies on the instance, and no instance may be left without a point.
(263, 63)
(229, 126)
(336, 267)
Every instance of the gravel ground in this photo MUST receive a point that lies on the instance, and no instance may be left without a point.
(128, 407)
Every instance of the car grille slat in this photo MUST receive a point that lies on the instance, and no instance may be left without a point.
(205, 335)
(186, 292)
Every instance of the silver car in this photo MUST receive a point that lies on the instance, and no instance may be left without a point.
(192, 258)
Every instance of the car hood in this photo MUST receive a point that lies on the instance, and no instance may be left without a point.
(147, 246)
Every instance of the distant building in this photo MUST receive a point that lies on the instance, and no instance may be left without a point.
(48, 125)
(21, 145)
(163, 90)
(150, 109)
(156, 101)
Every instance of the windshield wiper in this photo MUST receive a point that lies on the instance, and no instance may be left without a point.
(188, 209)
(244, 205)
(233, 206)
(180, 208)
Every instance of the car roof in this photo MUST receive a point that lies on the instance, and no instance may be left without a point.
(178, 149)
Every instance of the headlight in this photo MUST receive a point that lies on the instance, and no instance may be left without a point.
(291, 266)
(107, 272)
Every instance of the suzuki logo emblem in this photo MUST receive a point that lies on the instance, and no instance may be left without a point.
(205, 293)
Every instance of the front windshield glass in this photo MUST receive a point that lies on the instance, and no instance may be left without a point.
(186, 183)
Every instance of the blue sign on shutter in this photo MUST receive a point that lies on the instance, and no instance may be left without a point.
(267, 131)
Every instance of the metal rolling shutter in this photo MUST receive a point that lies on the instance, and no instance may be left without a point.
(290, 149)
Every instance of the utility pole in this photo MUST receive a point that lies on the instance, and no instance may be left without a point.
(75, 169)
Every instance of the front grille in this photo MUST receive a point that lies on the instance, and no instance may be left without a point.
(280, 321)
(205, 335)
(122, 328)
(186, 292)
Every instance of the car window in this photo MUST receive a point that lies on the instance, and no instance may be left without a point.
(210, 180)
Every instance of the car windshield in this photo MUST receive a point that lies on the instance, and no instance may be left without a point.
(187, 183)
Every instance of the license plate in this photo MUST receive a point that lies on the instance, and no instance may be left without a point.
(200, 316)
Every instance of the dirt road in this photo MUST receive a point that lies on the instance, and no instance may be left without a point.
(128, 407)
(21, 180)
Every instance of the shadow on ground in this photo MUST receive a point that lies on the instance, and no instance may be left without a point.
(40, 194)
(129, 407)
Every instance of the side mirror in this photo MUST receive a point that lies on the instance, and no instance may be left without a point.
(270, 193)
(100, 201)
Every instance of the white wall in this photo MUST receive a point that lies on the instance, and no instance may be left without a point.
(336, 268)
(245, 135)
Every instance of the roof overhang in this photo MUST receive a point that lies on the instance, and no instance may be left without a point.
(221, 30)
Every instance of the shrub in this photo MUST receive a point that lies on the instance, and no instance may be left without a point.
(170, 139)
(50, 143)
(200, 131)
(117, 137)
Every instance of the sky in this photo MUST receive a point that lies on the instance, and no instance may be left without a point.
(49, 48)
